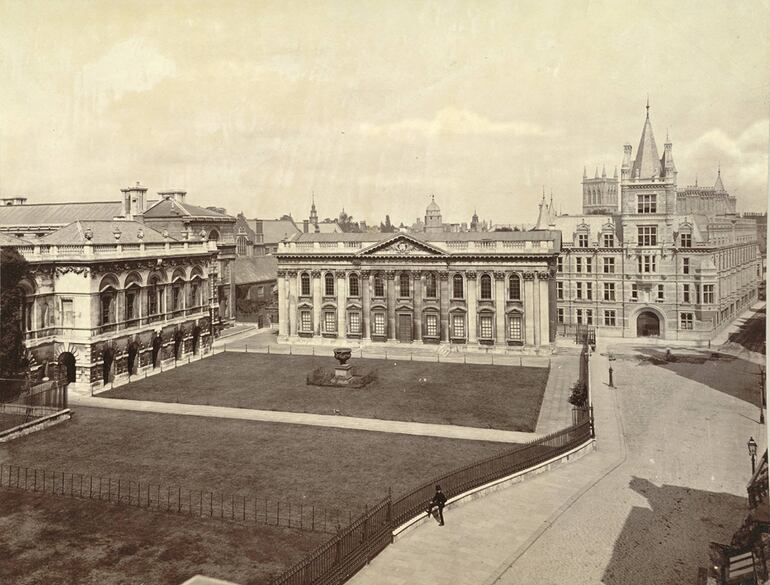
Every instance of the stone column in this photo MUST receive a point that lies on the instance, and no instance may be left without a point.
(500, 308)
(283, 326)
(545, 316)
(390, 275)
(417, 292)
(529, 308)
(470, 279)
(443, 291)
(341, 302)
(365, 303)
(317, 300)
(292, 275)
(536, 310)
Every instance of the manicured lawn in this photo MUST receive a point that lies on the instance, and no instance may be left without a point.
(499, 397)
(53, 540)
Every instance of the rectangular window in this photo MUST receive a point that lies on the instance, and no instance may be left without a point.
(379, 323)
(430, 286)
(634, 292)
(106, 311)
(354, 292)
(560, 315)
(646, 263)
(708, 294)
(379, 286)
(579, 316)
(485, 327)
(589, 265)
(609, 318)
(582, 240)
(685, 266)
(514, 326)
(608, 240)
(355, 322)
(685, 293)
(559, 290)
(458, 326)
(646, 204)
(68, 313)
(685, 240)
(305, 321)
(686, 320)
(330, 321)
(304, 285)
(609, 265)
(578, 264)
(560, 264)
(589, 291)
(131, 305)
(431, 325)
(661, 293)
(647, 235)
(578, 290)
(609, 291)
(589, 317)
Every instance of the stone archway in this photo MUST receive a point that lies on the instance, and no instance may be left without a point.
(108, 357)
(68, 373)
(648, 324)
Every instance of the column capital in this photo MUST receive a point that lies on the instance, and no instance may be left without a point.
(499, 275)
(291, 273)
(315, 273)
(470, 274)
(365, 273)
(340, 273)
(443, 275)
(528, 275)
(544, 275)
(281, 274)
(416, 274)
(390, 274)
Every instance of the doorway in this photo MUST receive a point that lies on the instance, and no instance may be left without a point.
(647, 324)
(405, 329)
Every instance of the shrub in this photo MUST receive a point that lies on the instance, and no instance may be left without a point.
(579, 395)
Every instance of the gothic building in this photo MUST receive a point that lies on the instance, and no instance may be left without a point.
(491, 289)
(658, 261)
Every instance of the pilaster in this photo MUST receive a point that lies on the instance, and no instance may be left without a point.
(472, 306)
(292, 276)
(366, 303)
(443, 287)
(529, 308)
(341, 302)
(500, 308)
(390, 275)
(417, 278)
(316, 276)
(283, 326)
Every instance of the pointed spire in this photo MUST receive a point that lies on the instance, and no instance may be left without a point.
(604, 171)
(615, 176)
(647, 164)
(596, 174)
(719, 186)
(585, 172)
(648, 106)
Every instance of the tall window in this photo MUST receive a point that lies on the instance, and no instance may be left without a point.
(609, 318)
(485, 327)
(379, 323)
(431, 325)
(241, 246)
(457, 286)
(458, 326)
(646, 263)
(107, 299)
(559, 290)
(68, 312)
(430, 285)
(647, 204)
(379, 286)
(514, 326)
(579, 290)
(708, 294)
(403, 285)
(560, 315)
(661, 292)
(195, 292)
(155, 296)
(578, 264)
(353, 285)
(355, 323)
(330, 321)
(609, 291)
(486, 286)
(609, 265)
(589, 317)
(685, 240)
(560, 264)
(685, 293)
(304, 284)
(176, 295)
(305, 321)
(686, 320)
(608, 240)
(589, 290)
(589, 265)
(582, 240)
(579, 316)
(132, 303)
(329, 284)
(647, 235)
(634, 292)
(685, 266)
(514, 287)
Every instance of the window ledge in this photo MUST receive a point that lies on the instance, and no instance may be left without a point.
(515, 342)
(305, 333)
(430, 339)
(329, 335)
(458, 340)
(354, 336)
(376, 337)
(486, 341)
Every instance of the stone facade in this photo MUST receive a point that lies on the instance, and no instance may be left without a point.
(479, 290)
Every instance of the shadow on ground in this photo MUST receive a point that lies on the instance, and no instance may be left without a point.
(751, 335)
(669, 542)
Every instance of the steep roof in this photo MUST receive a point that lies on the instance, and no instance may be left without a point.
(275, 230)
(248, 269)
(647, 163)
(6, 240)
(172, 208)
(58, 213)
(432, 206)
(103, 232)
(719, 186)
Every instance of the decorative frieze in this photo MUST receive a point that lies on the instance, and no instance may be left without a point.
(499, 275)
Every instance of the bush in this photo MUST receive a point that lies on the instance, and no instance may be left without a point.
(579, 395)
(325, 377)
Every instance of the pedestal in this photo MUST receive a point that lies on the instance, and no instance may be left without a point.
(343, 373)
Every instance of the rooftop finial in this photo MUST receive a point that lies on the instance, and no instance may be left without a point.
(648, 106)
(719, 169)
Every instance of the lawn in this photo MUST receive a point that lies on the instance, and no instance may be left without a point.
(499, 397)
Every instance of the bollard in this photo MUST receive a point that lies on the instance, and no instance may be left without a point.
(611, 384)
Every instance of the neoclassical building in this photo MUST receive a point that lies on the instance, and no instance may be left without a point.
(492, 289)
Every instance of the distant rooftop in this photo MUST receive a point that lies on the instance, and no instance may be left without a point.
(58, 213)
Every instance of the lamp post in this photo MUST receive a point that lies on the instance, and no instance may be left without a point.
(752, 446)
(611, 359)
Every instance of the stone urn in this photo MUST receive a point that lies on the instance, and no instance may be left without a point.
(342, 371)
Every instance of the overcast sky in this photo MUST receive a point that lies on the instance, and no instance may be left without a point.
(375, 105)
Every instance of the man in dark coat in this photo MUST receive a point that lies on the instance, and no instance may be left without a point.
(438, 501)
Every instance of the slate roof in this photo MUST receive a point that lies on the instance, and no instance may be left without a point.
(103, 233)
(275, 230)
(248, 269)
(173, 208)
(647, 163)
(58, 213)
(7, 240)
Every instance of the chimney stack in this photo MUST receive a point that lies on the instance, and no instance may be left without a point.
(133, 200)
(175, 194)
(305, 225)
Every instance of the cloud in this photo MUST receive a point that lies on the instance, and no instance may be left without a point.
(453, 121)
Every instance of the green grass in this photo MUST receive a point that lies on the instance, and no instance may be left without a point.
(499, 397)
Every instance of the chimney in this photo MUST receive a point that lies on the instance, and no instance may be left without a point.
(13, 200)
(175, 194)
(133, 200)
(305, 225)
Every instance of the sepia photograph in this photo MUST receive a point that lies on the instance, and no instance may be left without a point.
(366, 292)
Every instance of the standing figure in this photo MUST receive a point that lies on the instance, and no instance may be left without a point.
(438, 501)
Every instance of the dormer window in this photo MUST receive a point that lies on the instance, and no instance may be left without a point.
(582, 240)
(685, 240)
(608, 240)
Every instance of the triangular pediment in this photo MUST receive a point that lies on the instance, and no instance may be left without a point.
(402, 245)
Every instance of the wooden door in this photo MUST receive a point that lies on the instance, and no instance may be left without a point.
(405, 328)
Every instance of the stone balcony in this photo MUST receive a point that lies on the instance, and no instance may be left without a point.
(88, 251)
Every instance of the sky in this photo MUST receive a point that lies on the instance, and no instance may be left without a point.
(373, 106)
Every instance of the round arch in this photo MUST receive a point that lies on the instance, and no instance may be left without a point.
(649, 322)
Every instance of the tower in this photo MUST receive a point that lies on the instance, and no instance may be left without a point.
(433, 221)
(600, 194)
(313, 213)
(133, 200)
(475, 222)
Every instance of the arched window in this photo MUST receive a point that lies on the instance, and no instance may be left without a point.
(214, 235)
(486, 286)
(430, 285)
(155, 295)
(304, 284)
(329, 284)
(379, 286)
(241, 246)
(353, 282)
(514, 287)
(195, 292)
(177, 291)
(133, 289)
(457, 286)
(403, 284)
(28, 305)
(107, 303)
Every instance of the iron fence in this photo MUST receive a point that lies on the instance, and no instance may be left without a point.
(249, 509)
(47, 394)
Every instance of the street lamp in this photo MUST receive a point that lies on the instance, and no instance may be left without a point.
(752, 445)
(611, 359)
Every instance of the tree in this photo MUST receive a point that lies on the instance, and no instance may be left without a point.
(13, 267)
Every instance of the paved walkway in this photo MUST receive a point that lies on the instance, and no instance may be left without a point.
(556, 412)
(298, 418)
(668, 477)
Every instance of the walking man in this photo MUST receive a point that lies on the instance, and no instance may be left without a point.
(438, 501)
